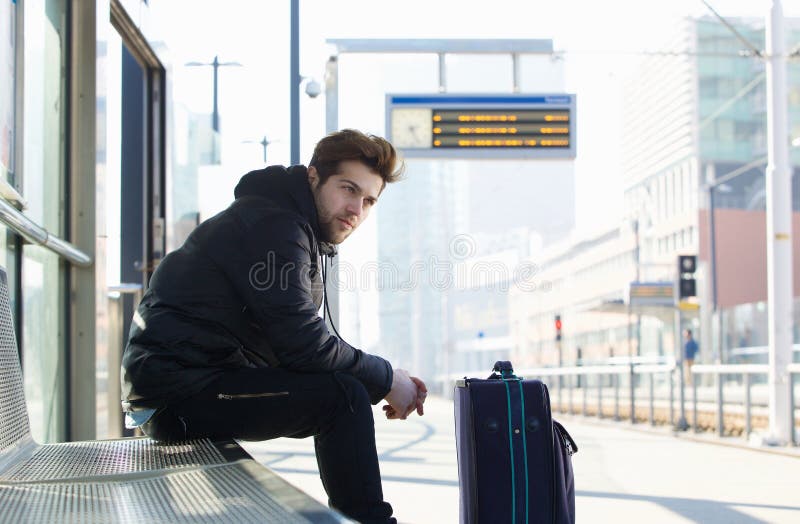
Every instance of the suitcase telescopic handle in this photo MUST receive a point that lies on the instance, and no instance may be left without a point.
(505, 369)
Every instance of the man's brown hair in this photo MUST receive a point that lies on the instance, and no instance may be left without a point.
(348, 144)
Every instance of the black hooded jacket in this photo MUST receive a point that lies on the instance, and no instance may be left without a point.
(243, 291)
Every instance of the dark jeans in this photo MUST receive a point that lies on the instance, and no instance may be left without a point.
(262, 404)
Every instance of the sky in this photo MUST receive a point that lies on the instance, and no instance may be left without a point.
(599, 42)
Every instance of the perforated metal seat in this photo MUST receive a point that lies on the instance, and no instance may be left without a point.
(109, 457)
(130, 480)
(238, 492)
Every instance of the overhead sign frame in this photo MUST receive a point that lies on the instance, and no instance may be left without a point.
(486, 125)
(660, 293)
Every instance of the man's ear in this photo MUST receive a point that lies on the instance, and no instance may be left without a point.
(313, 177)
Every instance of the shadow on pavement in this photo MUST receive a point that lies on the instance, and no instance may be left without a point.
(385, 478)
(693, 509)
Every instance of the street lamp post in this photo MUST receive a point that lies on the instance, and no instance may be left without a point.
(263, 143)
(682, 424)
(294, 82)
(780, 288)
(216, 64)
(779, 227)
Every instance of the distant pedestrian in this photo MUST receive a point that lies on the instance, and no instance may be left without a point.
(690, 350)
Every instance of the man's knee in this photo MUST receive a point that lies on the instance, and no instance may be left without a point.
(354, 393)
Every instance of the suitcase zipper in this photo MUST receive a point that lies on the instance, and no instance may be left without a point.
(546, 395)
(566, 438)
(225, 396)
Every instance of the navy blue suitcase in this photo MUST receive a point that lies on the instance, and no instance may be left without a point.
(514, 460)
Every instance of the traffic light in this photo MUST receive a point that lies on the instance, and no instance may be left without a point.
(687, 287)
(558, 327)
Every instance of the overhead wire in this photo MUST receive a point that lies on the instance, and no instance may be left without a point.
(756, 51)
(752, 50)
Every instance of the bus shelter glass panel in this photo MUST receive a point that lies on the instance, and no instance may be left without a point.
(44, 360)
(8, 114)
(7, 87)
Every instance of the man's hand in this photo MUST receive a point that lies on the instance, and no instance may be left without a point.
(422, 394)
(398, 407)
(402, 398)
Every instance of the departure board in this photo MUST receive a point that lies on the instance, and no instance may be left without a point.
(482, 126)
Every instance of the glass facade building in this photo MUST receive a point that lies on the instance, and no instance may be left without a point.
(694, 139)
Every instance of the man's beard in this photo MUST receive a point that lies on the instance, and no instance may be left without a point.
(328, 223)
(329, 232)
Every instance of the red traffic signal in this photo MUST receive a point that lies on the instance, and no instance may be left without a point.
(558, 327)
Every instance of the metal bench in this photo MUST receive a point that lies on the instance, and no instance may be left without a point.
(130, 480)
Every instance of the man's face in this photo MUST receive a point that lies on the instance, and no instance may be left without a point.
(345, 199)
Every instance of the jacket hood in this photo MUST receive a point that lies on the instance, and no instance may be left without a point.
(288, 188)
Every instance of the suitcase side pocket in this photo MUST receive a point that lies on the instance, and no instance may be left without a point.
(564, 481)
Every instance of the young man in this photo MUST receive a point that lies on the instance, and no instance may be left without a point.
(227, 341)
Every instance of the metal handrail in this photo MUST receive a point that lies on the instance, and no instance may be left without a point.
(127, 289)
(32, 232)
(572, 370)
(597, 370)
(729, 369)
(746, 370)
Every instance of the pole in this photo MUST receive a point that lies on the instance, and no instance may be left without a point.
(331, 125)
(215, 113)
(216, 64)
(332, 94)
(442, 73)
(681, 425)
(779, 227)
(559, 347)
(638, 278)
(294, 82)
(712, 256)
(631, 376)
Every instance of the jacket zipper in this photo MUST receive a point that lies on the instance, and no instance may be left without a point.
(225, 396)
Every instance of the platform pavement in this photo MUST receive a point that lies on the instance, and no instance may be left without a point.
(623, 474)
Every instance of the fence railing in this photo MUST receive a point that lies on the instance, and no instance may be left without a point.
(570, 378)
(746, 372)
(658, 382)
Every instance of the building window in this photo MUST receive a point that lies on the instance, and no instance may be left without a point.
(794, 96)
